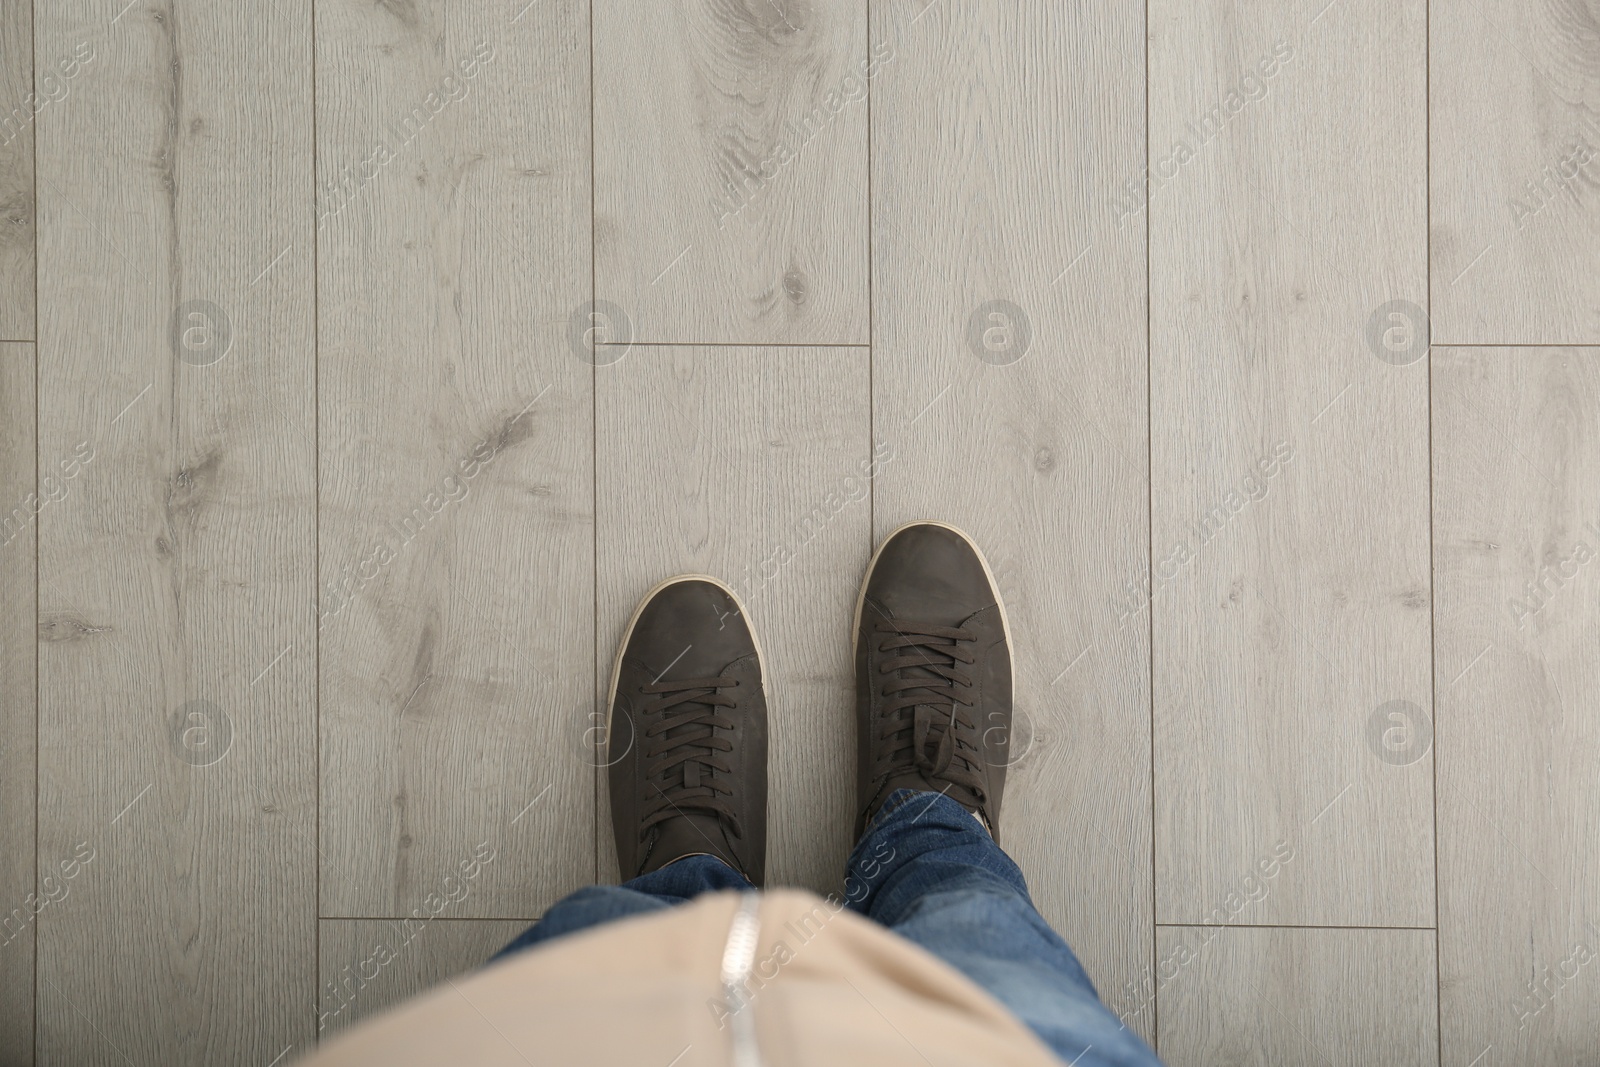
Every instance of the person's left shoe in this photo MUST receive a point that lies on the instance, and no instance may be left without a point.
(687, 738)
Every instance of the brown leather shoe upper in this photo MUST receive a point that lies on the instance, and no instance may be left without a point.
(933, 674)
(688, 737)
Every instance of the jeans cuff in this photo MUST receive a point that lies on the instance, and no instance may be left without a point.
(901, 797)
(689, 876)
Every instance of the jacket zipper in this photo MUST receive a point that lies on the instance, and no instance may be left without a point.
(738, 959)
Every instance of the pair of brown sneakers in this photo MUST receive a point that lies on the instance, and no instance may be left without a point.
(687, 737)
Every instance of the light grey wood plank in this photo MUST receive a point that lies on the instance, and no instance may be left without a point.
(371, 965)
(731, 169)
(1517, 523)
(1000, 134)
(749, 465)
(1287, 997)
(20, 100)
(1516, 172)
(176, 662)
(19, 885)
(456, 590)
(1289, 462)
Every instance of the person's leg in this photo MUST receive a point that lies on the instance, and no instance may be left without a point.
(592, 905)
(686, 756)
(933, 712)
(929, 871)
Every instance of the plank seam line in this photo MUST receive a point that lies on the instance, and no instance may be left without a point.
(1284, 926)
(1433, 581)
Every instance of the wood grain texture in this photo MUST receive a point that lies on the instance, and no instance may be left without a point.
(750, 465)
(1289, 463)
(456, 589)
(19, 896)
(1297, 998)
(1517, 522)
(371, 965)
(1000, 133)
(1515, 127)
(177, 741)
(730, 169)
(19, 103)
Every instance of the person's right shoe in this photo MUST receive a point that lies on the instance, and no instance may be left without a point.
(933, 674)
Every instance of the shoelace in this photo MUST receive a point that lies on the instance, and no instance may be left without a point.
(925, 723)
(684, 748)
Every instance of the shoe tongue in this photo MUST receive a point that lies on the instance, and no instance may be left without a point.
(936, 651)
(934, 711)
(691, 773)
(688, 834)
(914, 780)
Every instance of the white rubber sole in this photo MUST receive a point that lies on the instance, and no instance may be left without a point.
(627, 635)
(861, 597)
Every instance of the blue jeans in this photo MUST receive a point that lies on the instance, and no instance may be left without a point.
(927, 870)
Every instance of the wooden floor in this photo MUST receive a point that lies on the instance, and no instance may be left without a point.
(362, 363)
